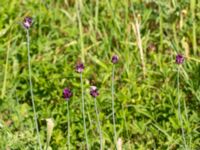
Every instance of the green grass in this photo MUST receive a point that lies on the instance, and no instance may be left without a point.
(66, 32)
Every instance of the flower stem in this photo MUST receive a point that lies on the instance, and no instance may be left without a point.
(83, 111)
(113, 104)
(99, 125)
(31, 89)
(68, 120)
(179, 111)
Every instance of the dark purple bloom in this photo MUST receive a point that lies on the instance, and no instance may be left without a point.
(80, 67)
(93, 91)
(179, 59)
(67, 93)
(27, 22)
(115, 59)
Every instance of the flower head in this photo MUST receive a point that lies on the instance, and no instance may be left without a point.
(80, 67)
(27, 22)
(179, 59)
(67, 93)
(94, 91)
(115, 59)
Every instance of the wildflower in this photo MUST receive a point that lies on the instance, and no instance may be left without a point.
(80, 67)
(94, 91)
(67, 93)
(179, 59)
(27, 22)
(115, 59)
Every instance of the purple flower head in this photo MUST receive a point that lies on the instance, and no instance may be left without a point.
(115, 59)
(179, 59)
(27, 22)
(94, 91)
(67, 93)
(80, 67)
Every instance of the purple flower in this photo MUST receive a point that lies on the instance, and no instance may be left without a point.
(80, 67)
(93, 91)
(27, 22)
(67, 93)
(115, 59)
(179, 59)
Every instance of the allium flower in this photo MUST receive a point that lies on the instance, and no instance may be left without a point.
(115, 59)
(67, 93)
(179, 59)
(27, 22)
(94, 91)
(80, 67)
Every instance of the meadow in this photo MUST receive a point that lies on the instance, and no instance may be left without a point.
(148, 99)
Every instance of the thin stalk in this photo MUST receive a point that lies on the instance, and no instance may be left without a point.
(99, 125)
(83, 111)
(113, 104)
(31, 89)
(68, 122)
(179, 111)
(80, 31)
(194, 42)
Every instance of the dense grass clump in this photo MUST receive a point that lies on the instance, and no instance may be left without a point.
(148, 99)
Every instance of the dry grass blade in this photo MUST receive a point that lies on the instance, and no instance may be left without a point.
(136, 28)
(119, 144)
(50, 126)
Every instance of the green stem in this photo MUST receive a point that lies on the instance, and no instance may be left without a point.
(83, 111)
(31, 89)
(179, 111)
(99, 125)
(68, 120)
(113, 105)
(80, 31)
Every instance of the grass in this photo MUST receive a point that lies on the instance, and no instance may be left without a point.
(65, 32)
